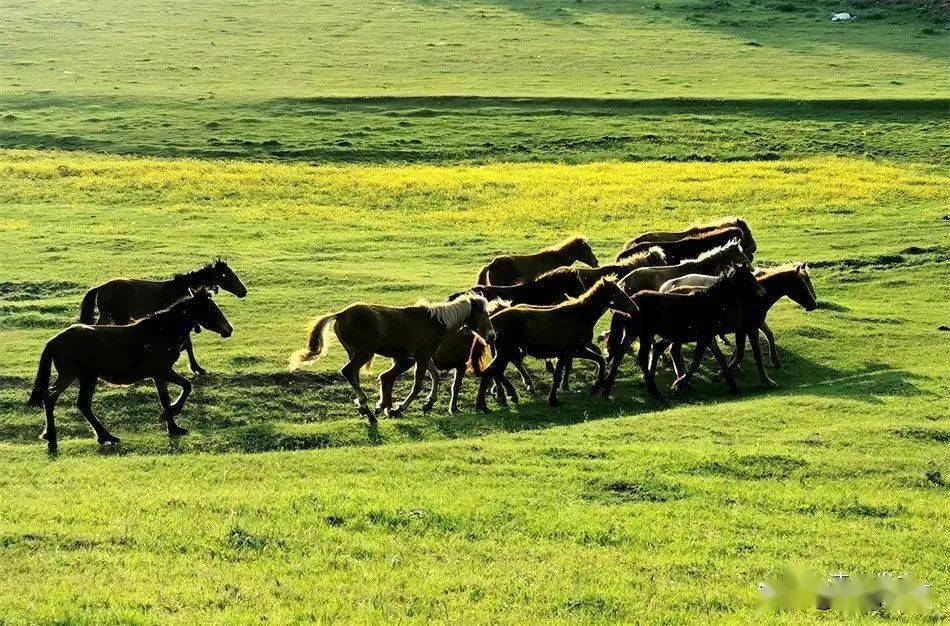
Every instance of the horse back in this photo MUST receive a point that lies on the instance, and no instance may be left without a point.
(126, 299)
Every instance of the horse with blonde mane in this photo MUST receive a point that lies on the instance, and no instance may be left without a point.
(407, 335)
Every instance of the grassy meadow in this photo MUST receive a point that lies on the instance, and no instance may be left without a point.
(383, 151)
(597, 510)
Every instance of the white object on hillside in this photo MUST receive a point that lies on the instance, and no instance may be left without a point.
(841, 17)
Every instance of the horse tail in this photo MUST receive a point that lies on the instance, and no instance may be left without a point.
(481, 356)
(87, 312)
(316, 343)
(41, 384)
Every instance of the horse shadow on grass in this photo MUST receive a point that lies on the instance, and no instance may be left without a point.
(270, 411)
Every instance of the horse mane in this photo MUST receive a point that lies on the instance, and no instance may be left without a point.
(454, 313)
(643, 254)
(188, 277)
(714, 251)
(567, 244)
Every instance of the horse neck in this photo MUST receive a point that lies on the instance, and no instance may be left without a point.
(193, 280)
(777, 285)
(703, 266)
(170, 326)
(592, 305)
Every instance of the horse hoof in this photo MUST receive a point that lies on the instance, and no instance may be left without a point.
(482, 408)
(109, 439)
(734, 390)
(554, 403)
(198, 371)
(769, 383)
(427, 407)
(395, 411)
(178, 431)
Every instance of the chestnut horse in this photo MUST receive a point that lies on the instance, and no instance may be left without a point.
(408, 335)
(689, 247)
(521, 268)
(122, 300)
(123, 355)
(748, 242)
(555, 332)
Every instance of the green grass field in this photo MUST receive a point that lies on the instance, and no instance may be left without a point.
(383, 151)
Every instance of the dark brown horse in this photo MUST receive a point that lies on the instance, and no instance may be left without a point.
(547, 289)
(122, 300)
(521, 268)
(697, 316)
(748, 242)
(556, 332)
(590, 275)
(791, 280)
(689, 247)
(408, 335)
(123, 355)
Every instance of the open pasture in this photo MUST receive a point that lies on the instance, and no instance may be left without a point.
(596, 510)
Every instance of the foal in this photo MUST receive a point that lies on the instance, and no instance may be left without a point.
(521, 268)
(689, 247)
(748, 242)
(683, 318)
(122, 300)
(557, 332)
(123, 355)
(408, 335)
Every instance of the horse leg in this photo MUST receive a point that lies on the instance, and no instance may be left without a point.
(435, 375)
(526, 378)
(565, 376)
(499, 363)
(192, 362)
(510, 390)
(643, 360)
(49, 433)
(724, 365)
(456, 389)
(558, 373)
(659, 347)
(174, 430)
(592, 353)
(618, 344)
(87, 387)
(351, 372)
(773, 351)
(757, 355)
(682, 381)
(739, 353)
(422, 366)
(386, 382)
(679, 365)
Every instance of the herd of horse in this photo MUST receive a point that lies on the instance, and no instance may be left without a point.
(663, 290)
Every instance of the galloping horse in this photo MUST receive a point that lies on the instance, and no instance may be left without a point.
(748, 242)
(407, 335)
(697, 316)
(124, 355)
(521, 268)
(556, 332)
(689, 247)
(122, 300)
(791, 280)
